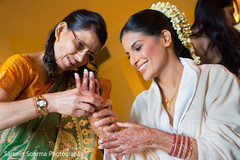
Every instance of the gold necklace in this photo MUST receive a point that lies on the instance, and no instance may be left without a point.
(168, 101)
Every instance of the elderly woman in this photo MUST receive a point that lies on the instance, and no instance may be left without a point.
(43, 108)
(189, 111)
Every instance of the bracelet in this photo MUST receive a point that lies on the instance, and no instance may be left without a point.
(178, 146)
(183, 146)
(174, 145)
(41, 105)
(189, 148)
(36, 110)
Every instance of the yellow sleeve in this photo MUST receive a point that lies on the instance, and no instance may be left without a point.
(14, 76)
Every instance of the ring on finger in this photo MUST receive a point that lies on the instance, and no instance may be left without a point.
(112, 119)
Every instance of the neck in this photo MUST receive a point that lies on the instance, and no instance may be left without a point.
(170, 78)
(37, 59)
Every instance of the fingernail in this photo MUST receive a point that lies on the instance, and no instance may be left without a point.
(100, 147)
(96, 124)
(100, 141)
(75, 75)
(91, 74)
(94, 114)
(85, 71)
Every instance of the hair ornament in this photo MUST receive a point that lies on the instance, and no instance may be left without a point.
(179, 23)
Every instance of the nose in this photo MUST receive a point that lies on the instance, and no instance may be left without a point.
(234, 21)
(81, 55)
(134, 60)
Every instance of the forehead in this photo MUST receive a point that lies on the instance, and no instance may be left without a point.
(90, 38)
(129, 38)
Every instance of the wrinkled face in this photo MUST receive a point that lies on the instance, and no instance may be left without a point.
(228, 16)
(71, 53)
(146, 53)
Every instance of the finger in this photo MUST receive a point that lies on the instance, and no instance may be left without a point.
(97, 87)
(85, 80)
(107, 103)
(77, 79)
(106, 121)
(91, 82)
(127, 124)
(89, 97)
(112, 128)
(85, 107)
(81, 113)
(103, 113)
(112, 137)
(117, 150)
(110, 145)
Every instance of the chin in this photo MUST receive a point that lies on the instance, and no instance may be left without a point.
(147, 78)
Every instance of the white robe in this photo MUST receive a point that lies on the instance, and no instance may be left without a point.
(207, 108)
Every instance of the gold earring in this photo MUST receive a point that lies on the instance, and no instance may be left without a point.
(57, 39)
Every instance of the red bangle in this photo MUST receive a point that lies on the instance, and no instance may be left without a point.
(34, 103)
(178, 145)
(173, 145)
(183, 146)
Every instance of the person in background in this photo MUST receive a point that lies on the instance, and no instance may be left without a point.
(190, 111)
(44, 103)
(214, 38)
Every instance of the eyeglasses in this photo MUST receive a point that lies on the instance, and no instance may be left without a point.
(81, 46)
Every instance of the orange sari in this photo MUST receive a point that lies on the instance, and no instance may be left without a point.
(53, 136)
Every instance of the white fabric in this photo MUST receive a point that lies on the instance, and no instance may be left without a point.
(207, 108)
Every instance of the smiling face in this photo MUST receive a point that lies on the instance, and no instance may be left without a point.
(146, 53)
(68, 52)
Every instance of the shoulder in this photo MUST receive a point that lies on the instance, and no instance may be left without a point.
(216, 71)
(218, 77)
(17, 61)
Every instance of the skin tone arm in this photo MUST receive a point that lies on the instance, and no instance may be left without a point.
(123, 142)
(77, 100)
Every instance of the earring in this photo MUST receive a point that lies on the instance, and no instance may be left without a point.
(57, 39)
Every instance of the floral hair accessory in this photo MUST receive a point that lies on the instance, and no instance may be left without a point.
(179, 23)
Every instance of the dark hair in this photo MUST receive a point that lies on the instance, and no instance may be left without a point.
(209, 20)
(77, 20)
(152, 23)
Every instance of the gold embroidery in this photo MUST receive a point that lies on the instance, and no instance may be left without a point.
(83, 122)
(69, 125)
(86, 131)
(9, 139)
(87, 150)
(66, 146)
(87, 140)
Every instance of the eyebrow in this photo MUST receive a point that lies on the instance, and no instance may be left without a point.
(135, 43)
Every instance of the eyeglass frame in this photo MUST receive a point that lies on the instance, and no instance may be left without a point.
(78, 40)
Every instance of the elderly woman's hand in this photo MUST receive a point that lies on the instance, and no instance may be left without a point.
(82, 100)
(103, 120)
(134, 138)
(106, 117)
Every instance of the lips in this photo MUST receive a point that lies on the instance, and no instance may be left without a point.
(143, 67)
(71, 62)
